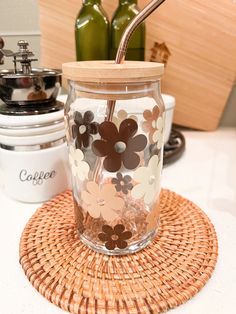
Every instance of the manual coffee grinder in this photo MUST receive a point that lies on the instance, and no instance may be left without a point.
(33, 152)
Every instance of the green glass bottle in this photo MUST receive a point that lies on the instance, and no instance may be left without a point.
(125, 12)
(92, 32)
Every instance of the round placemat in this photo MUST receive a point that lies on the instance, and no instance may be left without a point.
(171, 270)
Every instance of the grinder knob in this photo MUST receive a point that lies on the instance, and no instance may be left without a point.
(23, 46)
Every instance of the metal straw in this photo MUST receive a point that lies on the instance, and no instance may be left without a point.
(121, 52)
(120, 58)
(152, 6)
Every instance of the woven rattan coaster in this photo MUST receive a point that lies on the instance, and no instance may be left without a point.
(167, 273)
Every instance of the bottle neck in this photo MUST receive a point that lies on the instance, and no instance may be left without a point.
(122, 2)
(91, 1)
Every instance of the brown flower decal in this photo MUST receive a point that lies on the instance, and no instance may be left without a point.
(83, 128)
(114, 237)
(119, 146)
(122, 183)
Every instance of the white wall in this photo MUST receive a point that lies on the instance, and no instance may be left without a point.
(19, 20)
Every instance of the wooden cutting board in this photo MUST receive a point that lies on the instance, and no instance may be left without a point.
(198, 36)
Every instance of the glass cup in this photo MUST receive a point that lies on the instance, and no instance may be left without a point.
(115, 154)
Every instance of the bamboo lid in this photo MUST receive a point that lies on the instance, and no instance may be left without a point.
(108, 71)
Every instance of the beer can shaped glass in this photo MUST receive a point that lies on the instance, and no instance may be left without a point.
(115, 152)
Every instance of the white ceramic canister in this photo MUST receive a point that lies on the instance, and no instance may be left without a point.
(169, 102)
(33, 156)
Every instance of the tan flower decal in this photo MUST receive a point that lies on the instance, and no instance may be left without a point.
(119, 146)
(152, 218)
(100, 200)
(79, 167)
(84, 128)
(159, 132)
(122, 184)
(122, 115)
(154, 125)
(148, 179)
(114, 237)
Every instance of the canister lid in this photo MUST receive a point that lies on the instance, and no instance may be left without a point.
(108, 71)
(34, 121)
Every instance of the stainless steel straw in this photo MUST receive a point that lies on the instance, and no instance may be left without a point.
(120, 58)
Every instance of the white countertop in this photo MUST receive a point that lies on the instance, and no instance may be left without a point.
(206, 174)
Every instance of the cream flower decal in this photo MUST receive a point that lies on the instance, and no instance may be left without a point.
(122, 115)
(100, 200)
(158, 134)
(79, 167)
(148, 179)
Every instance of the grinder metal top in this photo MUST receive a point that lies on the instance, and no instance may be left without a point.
(25, 85)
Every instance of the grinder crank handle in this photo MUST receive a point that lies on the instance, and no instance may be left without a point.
(1, 54)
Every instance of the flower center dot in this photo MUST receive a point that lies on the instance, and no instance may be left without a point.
(101, 202)
(151, 180)
(120, 147)
(114, 237)
(82, 129)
